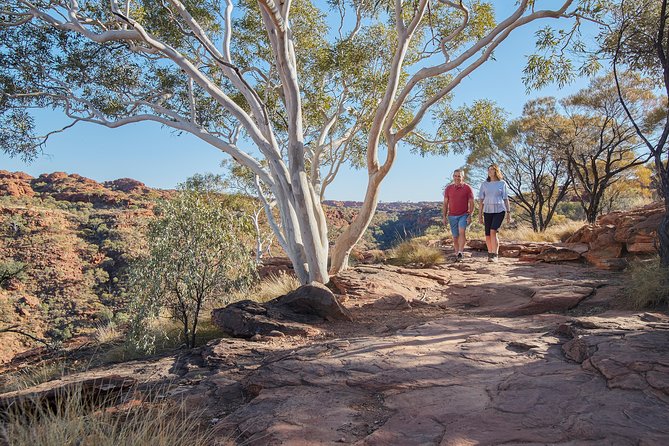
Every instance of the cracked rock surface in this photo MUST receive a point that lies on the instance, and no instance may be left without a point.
(522, 354)
(469, 353)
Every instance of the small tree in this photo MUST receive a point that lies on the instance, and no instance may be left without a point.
(638, 37)
(198, 252)
(525, 151)
(11, 269)
(240, 180)
(602, 143)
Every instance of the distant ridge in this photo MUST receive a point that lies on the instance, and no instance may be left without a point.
(389, 206)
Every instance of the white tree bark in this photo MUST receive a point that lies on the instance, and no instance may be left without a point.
(392, 102)
(298, 188)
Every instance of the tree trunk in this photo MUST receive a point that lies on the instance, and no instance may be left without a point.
(663, 234)
(346, 241)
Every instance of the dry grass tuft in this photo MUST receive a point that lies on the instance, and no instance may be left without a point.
(554, 233)
(414, 252)
(107, 333)
(271, 287)
(647, 284)
(33, 376)
(74, 421)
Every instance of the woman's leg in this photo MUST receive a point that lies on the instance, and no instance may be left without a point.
(487, 223)
(494, 242)
(497, 221)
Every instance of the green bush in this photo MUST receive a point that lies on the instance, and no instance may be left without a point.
(647, 284)
(11, 269)
(198, 251)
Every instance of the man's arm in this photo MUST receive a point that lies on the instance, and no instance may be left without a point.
(445, 209)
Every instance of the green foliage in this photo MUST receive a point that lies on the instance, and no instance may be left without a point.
(563, 53)
(11, 269)
(647, 284)
(198, 251)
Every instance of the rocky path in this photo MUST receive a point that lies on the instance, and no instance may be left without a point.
(469, 353)
(521, 354)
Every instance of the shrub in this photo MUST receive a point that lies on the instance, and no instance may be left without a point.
(11, 269)
(647, 284)
(198, 252)
(413, 252)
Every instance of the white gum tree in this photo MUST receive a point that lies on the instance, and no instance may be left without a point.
(269, 83)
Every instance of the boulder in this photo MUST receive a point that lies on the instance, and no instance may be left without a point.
(391, 302)
(16, 184)
(618, 235)
(576, 350)
(602, 261)
(275, 266)
(312, 299)
(127, 185)
(247, 318)
(291, 314)
(558, 254)
(552, 298)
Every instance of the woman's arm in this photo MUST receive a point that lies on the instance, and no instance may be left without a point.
(506, 204)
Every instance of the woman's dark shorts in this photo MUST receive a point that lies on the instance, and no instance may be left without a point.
(493, 221)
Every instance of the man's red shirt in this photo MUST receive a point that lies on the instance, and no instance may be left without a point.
(458, 198)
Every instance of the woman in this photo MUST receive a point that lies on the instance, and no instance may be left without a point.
(493, 206)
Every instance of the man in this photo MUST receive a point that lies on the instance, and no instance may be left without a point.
(458, 209)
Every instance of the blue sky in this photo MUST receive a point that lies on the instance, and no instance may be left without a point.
(160, 159)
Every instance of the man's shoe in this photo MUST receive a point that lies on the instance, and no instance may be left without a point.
(490, 257)
(459, 257)
(494, 258)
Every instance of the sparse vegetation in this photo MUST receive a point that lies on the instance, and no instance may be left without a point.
(107, 333)
(647, 284)
(33, 376)
(554, 233)
(11, 269)
(74, 421)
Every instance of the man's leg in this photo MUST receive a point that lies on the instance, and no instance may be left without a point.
(462, 239)
(453, 222)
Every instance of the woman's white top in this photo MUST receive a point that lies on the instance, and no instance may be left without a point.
(493, 194)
